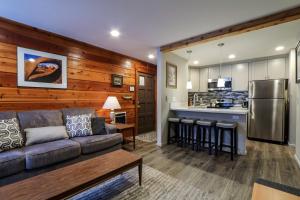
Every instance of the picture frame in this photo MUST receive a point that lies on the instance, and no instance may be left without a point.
(41, 69)
(298, 63)
(117, 80)
(171, 75)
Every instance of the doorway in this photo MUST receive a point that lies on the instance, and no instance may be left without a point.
(145, 103)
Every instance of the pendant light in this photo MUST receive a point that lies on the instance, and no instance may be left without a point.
(189, 84)
(221, 82)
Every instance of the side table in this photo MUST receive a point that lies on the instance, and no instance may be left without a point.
(124, 127)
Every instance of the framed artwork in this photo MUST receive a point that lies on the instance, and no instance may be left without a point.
(171, 75)
(41, 69)
(117, 80)
(298, 63)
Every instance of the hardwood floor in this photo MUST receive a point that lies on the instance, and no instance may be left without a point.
(220, 177)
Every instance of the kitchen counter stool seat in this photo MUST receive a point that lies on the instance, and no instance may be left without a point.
(204, 127)
(176, 124)
(231, 127)
(187, 132)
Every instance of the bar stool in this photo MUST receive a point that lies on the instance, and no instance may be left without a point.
(231, 127)
(187, 126)
(204, 127)
(176, 123)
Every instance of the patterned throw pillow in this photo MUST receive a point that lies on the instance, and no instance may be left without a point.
(10, 135)
(79, 125)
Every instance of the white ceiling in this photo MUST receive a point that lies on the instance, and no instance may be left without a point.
(144, 24)
(255, 44)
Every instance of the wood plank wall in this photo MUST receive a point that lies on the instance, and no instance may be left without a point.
(89, 72)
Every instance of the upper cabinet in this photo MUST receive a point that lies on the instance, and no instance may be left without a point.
(203, 79)
(241, 73)
(195, 79)
(225, 71)
(240, 77)
(219, 72)
(276, 68)
(213, 72)
(259, 70)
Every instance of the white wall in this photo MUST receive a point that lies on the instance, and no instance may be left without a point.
(294, 105)
(167, 95)
(292, 98)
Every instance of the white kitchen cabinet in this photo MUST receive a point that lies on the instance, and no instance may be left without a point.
(240, 77)
(213, 72)
(203, 79)
(195, 79)
(276, 68)
(258, 70)
(225, 71)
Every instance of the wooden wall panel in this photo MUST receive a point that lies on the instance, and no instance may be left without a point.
(89, 72)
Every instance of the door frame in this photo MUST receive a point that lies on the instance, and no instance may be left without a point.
(137, 72)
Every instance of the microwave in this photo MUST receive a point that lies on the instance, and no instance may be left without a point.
(220, 84)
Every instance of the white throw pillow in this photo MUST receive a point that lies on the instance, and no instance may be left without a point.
(10, 135)
(79, 125)
(45, 134)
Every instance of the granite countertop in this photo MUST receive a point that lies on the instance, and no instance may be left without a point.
(233, 110)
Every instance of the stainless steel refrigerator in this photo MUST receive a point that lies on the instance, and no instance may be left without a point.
(268, 110)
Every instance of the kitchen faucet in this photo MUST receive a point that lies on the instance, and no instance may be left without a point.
(194, 99)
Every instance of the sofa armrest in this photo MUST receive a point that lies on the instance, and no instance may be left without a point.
(110, 128)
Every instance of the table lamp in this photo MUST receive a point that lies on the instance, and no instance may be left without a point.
(112, 103)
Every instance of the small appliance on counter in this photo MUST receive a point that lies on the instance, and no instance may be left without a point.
(245, 104)
(221, 103)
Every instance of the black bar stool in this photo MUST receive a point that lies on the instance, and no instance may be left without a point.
(205, 127)
(176, 123)
(187, 130)
(231, 127)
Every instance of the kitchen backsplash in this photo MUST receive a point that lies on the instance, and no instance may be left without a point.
(238, 97)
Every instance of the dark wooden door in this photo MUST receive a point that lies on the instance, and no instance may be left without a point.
(146, 103)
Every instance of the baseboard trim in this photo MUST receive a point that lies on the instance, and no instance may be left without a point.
(159, 144)
(292, 145)
(297, 159)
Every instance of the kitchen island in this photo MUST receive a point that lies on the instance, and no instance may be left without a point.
(234, 114)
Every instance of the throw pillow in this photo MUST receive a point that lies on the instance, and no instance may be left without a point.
(10, 135)
(45, 134)
(98, 126)
(79, 125)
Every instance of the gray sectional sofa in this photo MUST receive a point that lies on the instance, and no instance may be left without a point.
(28, 161)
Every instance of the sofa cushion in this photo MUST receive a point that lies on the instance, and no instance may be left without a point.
(11, 162)
(40, 118)
(41, 155)
(77, 111)
(98, 126)
(8, 115)
(79, 125)
(94, 143)
(45, 134)
(10, 135)
(110, 128)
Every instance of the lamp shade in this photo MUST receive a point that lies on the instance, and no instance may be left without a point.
(111, 103)
(189, 85)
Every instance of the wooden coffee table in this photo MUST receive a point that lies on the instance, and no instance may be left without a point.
(73, 179)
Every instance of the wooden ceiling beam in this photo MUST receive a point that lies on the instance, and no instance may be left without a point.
(252, 25)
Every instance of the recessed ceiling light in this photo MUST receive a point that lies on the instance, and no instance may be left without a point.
(31, 60)
(196, 62)
(115, 33)
(151, 56)
(231, 56)
(279, 48)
